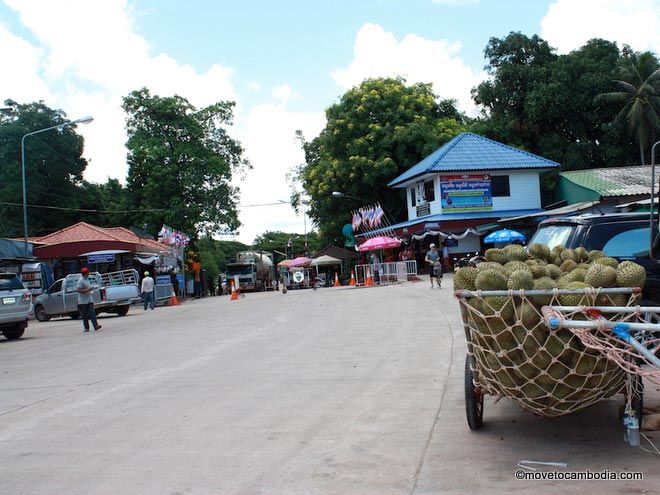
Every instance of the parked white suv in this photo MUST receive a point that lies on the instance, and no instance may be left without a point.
(15, 306)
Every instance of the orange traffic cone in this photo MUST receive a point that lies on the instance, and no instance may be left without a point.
(370, 279)
(337, 284)
(234, 292)
(174, 301)
(352, 282)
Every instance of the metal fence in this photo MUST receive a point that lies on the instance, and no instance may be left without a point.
(163, 291)
(124, 277)
(389, 273)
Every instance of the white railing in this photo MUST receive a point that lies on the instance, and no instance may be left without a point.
(389, 273)
(163, 291)
(123, 277)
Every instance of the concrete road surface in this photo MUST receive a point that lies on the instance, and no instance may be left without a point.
(337, 391)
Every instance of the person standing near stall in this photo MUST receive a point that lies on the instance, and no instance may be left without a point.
(433, 257)
(147, 290)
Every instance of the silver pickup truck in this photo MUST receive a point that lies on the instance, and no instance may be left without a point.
(113, 293)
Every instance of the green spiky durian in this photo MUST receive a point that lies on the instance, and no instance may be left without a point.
(612, 300)
(490, 280)
(582, 254)
(539, 251)
(594, 254)
(556, 251)
(515, 252)
(543, 283)
(577, 275)
(629, 274)
(573, 299)
(538, 271)
(568, 254)
(465, 278)
(502, 305)
(600, 275)
(606, 260)
(495, 255)
(528, 314)
(568, 266)
(512, 266)
(557, 261)
(553, 271)
(520, 279)
(490, 265)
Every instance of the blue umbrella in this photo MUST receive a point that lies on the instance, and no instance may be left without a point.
(504, 235)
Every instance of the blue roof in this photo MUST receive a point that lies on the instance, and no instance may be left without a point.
(446, 217)
(468, 152)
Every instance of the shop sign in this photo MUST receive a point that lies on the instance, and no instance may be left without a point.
(432, 225)
(101, 258)
(461, 193)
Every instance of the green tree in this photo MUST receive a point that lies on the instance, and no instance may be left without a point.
(215, 254)
(181, 162)
(376, 131)
(54, 168)
(278, 242)
(639, 98)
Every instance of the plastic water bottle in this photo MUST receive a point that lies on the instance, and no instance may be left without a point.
(631, 433)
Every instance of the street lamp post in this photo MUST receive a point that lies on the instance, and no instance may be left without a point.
(84, 120)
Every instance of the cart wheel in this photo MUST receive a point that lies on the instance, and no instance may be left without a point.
(474, 399)
(637, 401)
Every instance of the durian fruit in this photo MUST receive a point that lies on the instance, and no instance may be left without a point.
(512, 266)
(606, 260)
(499, 306)
(490, 265)
(582, 254)
(542, 360)
(532, 391)
(595, 254)
(573, 299)
(568, 266)
(584, 266)
(568, 254)
(612, 300)
(539, 251)
(577, 275)
(543, 283)
(600, 275)
(490, 280)
(465, 278)
(538, 271)
(495, 255)
(528, 314)
(586, 364)
(520, 279)
(553, 271)
(629, 274)
(515, 252)
(557, 261)
(558, 370)
(556, 251)
(475, 303)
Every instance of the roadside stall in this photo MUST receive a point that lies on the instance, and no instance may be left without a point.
(388, 272)
(326, 262)
(300, 273)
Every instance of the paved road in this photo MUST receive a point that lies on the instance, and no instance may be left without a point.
(339, 391)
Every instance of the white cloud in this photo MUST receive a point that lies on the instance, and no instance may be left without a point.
(569, 24)
(268, 134)
(254, 86)
(378, 53)
(91, 56)
(284, 94)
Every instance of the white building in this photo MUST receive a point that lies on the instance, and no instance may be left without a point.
(469, 182)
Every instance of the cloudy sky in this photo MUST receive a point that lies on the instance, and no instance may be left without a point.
(282, 62)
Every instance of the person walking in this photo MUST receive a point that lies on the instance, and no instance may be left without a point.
(432, 257)
(147, 290)
(375, 266)
(86, 301)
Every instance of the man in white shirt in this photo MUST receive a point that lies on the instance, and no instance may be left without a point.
(85, 301)
(147, 290)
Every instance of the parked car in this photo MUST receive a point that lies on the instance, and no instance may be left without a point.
(624, 236)
(15, 306)
(113, 293)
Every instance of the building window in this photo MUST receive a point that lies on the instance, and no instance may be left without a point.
(429, 191)
(500, 185)
(413, 200)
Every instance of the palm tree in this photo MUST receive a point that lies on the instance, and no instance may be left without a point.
(639, 93)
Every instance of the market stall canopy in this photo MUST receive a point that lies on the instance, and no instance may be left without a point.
(380, 242)
(325, 261)
(300, 261)
(106, 251)
(505, 235)
(285, 263)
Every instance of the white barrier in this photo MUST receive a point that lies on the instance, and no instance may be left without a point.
(389, 273)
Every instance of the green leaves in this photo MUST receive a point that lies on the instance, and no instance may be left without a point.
(182, 159)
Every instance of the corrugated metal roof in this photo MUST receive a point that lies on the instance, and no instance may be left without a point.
(447, 217)
(614, 181)
(468, 152)
(564, 210)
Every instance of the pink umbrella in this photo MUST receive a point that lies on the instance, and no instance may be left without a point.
(300, 261)
(380, 242)
(285, 263)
